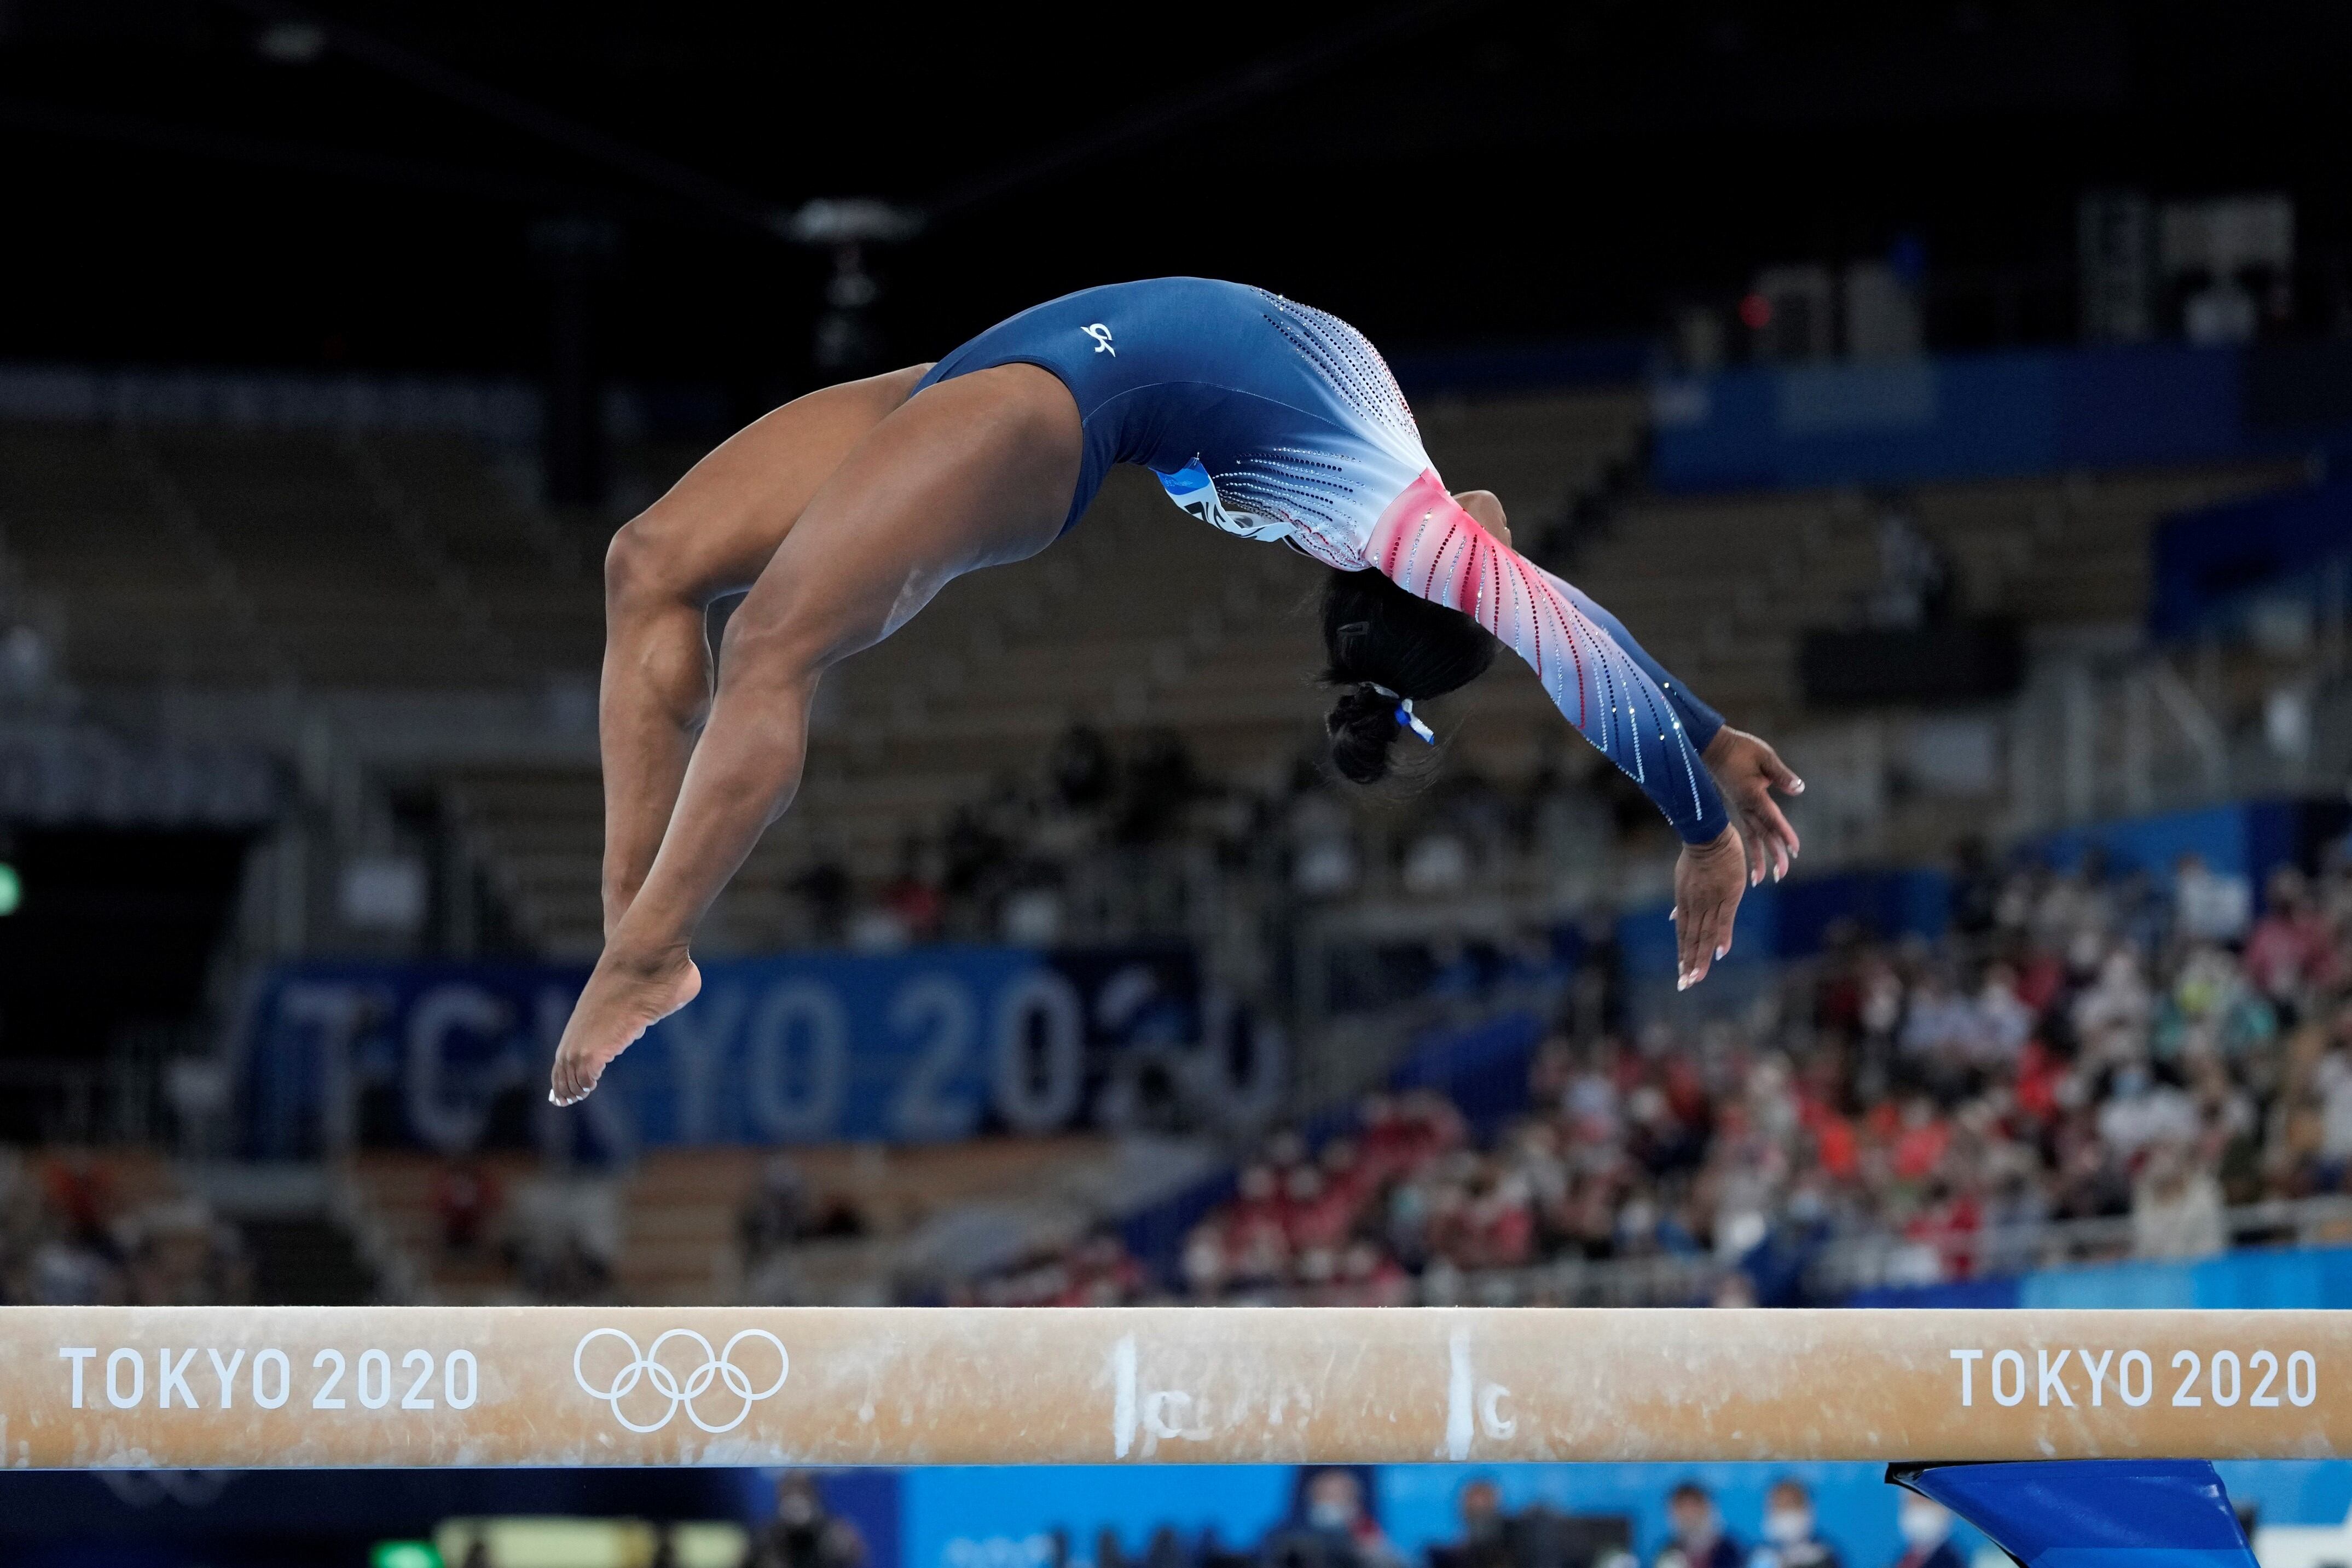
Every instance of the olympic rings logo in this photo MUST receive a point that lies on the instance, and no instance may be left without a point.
(645, 1367)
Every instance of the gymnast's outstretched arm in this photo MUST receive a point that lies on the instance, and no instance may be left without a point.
(1620, 698)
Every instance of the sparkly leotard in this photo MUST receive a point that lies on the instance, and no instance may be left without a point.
(1273, 421)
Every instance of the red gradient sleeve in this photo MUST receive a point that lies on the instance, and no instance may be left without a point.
(1616, 695)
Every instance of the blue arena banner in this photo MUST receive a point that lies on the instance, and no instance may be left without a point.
(928, 1044)
(1989, 415)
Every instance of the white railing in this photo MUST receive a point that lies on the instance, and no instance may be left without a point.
(1845, 1266)
(1863, 1262)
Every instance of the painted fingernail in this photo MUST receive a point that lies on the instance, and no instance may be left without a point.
(1797, 787)
(1719, 952)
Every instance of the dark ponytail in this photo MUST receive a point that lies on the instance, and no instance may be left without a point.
(1376, 634)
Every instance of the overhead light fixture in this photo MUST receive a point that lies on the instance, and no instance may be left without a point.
(291, 43)
(851, 220)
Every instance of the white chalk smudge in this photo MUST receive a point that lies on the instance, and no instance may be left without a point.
(1122, 1412)
(1460, 1417)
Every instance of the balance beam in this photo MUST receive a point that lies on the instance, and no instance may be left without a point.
(232, 1387)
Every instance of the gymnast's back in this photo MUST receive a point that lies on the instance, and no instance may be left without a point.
(1261, 416)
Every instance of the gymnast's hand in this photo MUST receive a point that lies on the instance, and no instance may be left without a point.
(1748, 771)
(1486, 507)
(1707, 885)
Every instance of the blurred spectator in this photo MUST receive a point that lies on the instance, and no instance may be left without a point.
(1916, 584)
(1790, 1534)
(1976, 887)
(802, 1534)
(1437, 863)
(465, 1198)
(778, 1209)
(2210, 907)
(2291, 949)
(1484, 1541)
(81, 1192)
(2141, 1112)
(2177, 1206)
(1334, 1529)
(1926, 1527)
(912, 895)
(1700, 1541)
(564, 1233)
(1166, 1549)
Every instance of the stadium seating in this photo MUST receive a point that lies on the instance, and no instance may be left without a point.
(678, 1225)
(237, 559)
(203, 558)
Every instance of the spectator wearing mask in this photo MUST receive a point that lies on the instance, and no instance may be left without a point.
(1926, 1527)
(804, 1535)
(1700, 1541)
(1789, 1540)
(1335, 1532)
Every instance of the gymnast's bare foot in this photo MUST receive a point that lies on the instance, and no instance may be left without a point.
(626, 996)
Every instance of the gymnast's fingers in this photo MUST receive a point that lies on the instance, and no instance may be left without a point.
(1699, 947)
(1719, 943)
(1688, 929)
(1766, 820)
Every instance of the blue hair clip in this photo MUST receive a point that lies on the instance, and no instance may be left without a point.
(1404, 714)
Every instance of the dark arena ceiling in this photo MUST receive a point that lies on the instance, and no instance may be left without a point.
(205, 181)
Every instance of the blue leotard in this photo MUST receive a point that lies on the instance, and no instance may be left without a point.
(1273, 421)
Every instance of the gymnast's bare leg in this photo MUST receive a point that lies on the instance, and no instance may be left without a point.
(978, 470)
(711, 535)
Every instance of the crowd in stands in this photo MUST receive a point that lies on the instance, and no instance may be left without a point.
(1333, 1527)
(2080, 1046)
(1102, 841)
(803, 1533)
(74, 1232)
(782, 1213)
(554, 1236)
(1008, 863)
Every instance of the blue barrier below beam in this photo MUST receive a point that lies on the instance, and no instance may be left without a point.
(2092, 1514)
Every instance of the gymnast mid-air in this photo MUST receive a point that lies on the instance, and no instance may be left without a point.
(845, 511)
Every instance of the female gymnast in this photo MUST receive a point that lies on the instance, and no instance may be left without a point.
(845, 511)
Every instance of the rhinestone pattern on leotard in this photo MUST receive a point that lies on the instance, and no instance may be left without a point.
(1347, 360)
(1289, 483)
